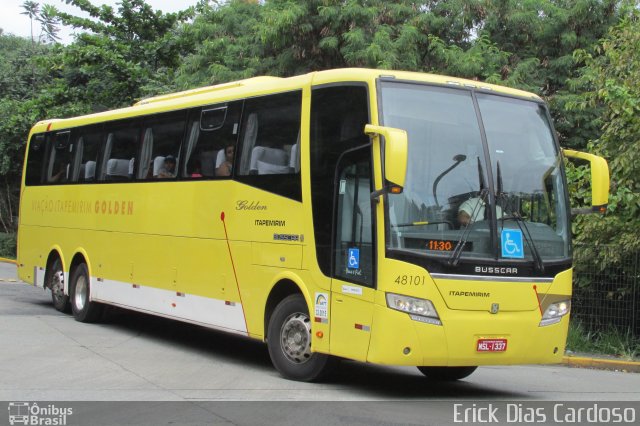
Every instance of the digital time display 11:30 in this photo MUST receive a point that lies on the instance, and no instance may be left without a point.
(440, 245)
(445, 245)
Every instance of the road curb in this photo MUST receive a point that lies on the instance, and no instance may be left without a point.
(602, 364)
(5, 260)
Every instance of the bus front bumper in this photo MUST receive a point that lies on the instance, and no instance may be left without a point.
(396, 339)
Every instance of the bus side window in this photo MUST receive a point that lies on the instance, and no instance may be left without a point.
(269, 149)
(161, 141)
(118, 159)
(35, 160)
(212, 135)
(60, 158)
(89, 141)
(271, 132)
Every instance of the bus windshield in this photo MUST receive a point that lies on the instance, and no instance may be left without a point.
(476, 169)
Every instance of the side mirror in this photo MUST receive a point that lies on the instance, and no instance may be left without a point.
(599, 179)
(395, 154)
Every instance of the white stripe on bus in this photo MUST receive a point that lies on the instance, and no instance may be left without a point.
(204, 311)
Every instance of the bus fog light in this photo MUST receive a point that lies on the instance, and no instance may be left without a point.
(554, 312)
(416, 308)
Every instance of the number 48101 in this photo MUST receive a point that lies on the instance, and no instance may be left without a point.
(410, 280)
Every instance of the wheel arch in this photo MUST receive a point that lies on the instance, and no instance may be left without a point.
(80, 256)
(284, 286)
(54, 252)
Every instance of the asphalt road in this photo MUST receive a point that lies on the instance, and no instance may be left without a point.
(48, 356)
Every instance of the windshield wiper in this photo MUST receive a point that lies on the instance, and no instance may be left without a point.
(484, 191)
(519, 220)
(458, 249)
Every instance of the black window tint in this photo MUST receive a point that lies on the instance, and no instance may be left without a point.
(35, 160)
(354, 248)
(118, 160)
(60, 165)
(338, 117)
(270, 144)
(89, 144)
(161, 140)
(211, 139)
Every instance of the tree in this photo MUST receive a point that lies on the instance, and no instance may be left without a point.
(541, 36)
(225, 45)
(47, 17)
(48, 23)
(23, 100)
(32, 10)
(123, 55)
(611, 75)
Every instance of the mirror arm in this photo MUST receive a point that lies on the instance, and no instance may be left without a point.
(375, 195)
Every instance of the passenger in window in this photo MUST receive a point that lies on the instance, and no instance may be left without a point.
(226, 167)
(168, 169)
(196, 168)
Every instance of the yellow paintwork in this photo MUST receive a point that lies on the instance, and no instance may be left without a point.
(599, 176)
(396, 150)
(170, 235)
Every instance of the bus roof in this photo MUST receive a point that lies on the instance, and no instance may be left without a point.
(262, 85)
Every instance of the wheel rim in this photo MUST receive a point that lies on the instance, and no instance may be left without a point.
(80, 292)
(57, 285)
(295, 338)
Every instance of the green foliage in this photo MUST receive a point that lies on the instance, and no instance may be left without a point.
(612, 73)
(225, 45)
(123, 55)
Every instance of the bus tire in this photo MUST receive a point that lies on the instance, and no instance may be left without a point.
(446, 374)
(55, 282)
(79, 291)
(289, 342)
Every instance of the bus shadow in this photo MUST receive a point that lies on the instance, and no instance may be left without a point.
(408, 383)
(375, 381)
(193, 338)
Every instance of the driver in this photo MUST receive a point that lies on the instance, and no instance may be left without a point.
(473, 210)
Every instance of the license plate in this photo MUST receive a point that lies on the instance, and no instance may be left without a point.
(492, 345)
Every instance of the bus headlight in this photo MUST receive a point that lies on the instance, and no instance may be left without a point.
(418, 309)
(554, 312)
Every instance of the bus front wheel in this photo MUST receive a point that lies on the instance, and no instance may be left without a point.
(84, 310)
(447, 374)
(289, 342)
(55, 281)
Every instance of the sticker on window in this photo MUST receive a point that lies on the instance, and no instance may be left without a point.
(353, 261)
(511, 243)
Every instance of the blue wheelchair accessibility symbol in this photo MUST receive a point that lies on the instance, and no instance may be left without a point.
(512, 246)
(353, 262)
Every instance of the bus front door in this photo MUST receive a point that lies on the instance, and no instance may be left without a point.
(352, 292)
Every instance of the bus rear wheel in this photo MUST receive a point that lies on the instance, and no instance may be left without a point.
(447, 374)
(55, 281)
(289, 342)
(84, 310)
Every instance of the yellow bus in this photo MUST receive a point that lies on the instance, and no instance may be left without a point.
(382, 216)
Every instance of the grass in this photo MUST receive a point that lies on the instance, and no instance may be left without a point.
(603, 342)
